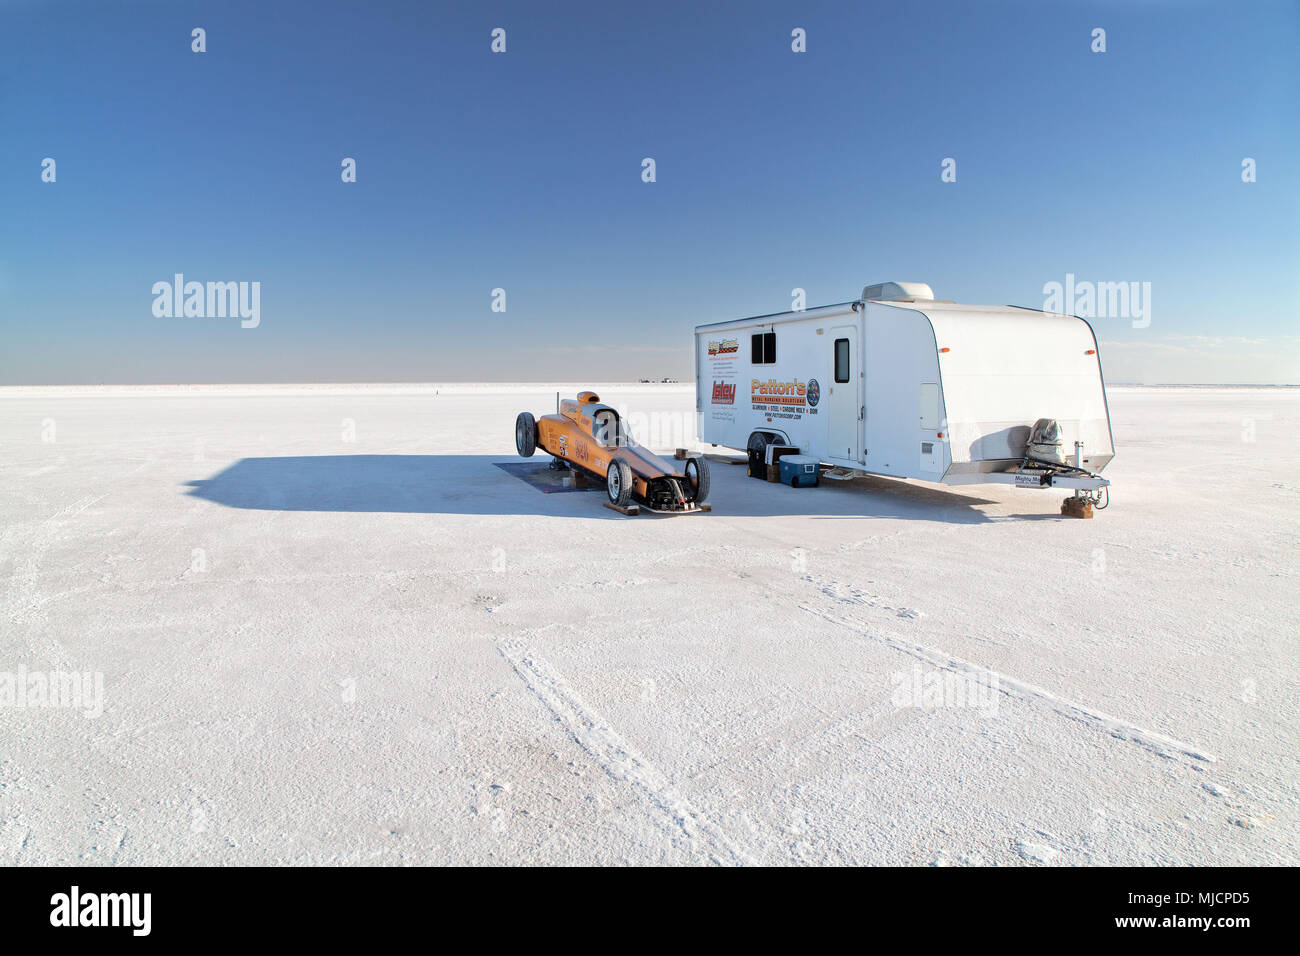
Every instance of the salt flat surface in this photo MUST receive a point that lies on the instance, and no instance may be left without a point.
(330, 630)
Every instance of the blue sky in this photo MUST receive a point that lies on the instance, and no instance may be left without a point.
(522, 171)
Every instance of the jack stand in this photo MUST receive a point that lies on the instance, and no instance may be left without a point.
(1078, 505)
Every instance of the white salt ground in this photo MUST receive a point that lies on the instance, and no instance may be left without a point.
(330, 630)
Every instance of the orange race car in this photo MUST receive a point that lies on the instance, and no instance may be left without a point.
(591, 438)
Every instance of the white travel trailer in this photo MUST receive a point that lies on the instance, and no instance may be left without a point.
(900, 383)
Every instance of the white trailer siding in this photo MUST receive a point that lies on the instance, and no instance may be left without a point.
(1004, 369)
(729, 403)
(904, 409)
(915, 388)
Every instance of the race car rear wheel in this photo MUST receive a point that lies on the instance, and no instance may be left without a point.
(696, 471)
(526, 434)
(618, 483)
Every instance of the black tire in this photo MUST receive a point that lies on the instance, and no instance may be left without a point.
(757, 451)
(618, 483)
(696, 471)
(526, 434)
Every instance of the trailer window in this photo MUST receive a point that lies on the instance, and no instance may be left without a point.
(762, 348)
(841, 360)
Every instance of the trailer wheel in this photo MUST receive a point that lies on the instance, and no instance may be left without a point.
(618, 483)
(526, 434)
(758, 442)
(757, 450)
(696, 471)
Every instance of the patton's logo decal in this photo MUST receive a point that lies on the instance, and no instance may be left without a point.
(724, 348)
(772, 392)
(724, 393)
(814, 393)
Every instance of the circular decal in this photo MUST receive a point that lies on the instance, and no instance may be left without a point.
(814, 393)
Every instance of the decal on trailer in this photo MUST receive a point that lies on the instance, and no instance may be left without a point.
(723, 373)
(784, 399)
(814, 393)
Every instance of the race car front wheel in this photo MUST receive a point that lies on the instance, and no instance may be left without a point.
(526, 434)
(618, 483)
(696, 471)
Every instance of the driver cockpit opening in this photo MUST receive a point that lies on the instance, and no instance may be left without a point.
(608, 430)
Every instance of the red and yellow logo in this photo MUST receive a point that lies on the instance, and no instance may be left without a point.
(773, 392)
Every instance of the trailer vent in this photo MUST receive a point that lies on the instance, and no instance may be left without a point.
(897, 291)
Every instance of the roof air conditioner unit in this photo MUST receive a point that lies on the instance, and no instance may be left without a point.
(897, 291)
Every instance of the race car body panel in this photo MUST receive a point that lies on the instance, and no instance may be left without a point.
(591, 435)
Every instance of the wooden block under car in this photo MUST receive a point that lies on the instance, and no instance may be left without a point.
(630, 510)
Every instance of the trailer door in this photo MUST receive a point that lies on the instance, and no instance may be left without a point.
(844, 396)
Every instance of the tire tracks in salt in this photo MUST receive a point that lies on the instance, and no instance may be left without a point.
(615, 755)
(1116, 727)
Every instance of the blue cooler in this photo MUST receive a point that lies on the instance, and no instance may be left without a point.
(799, 471)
